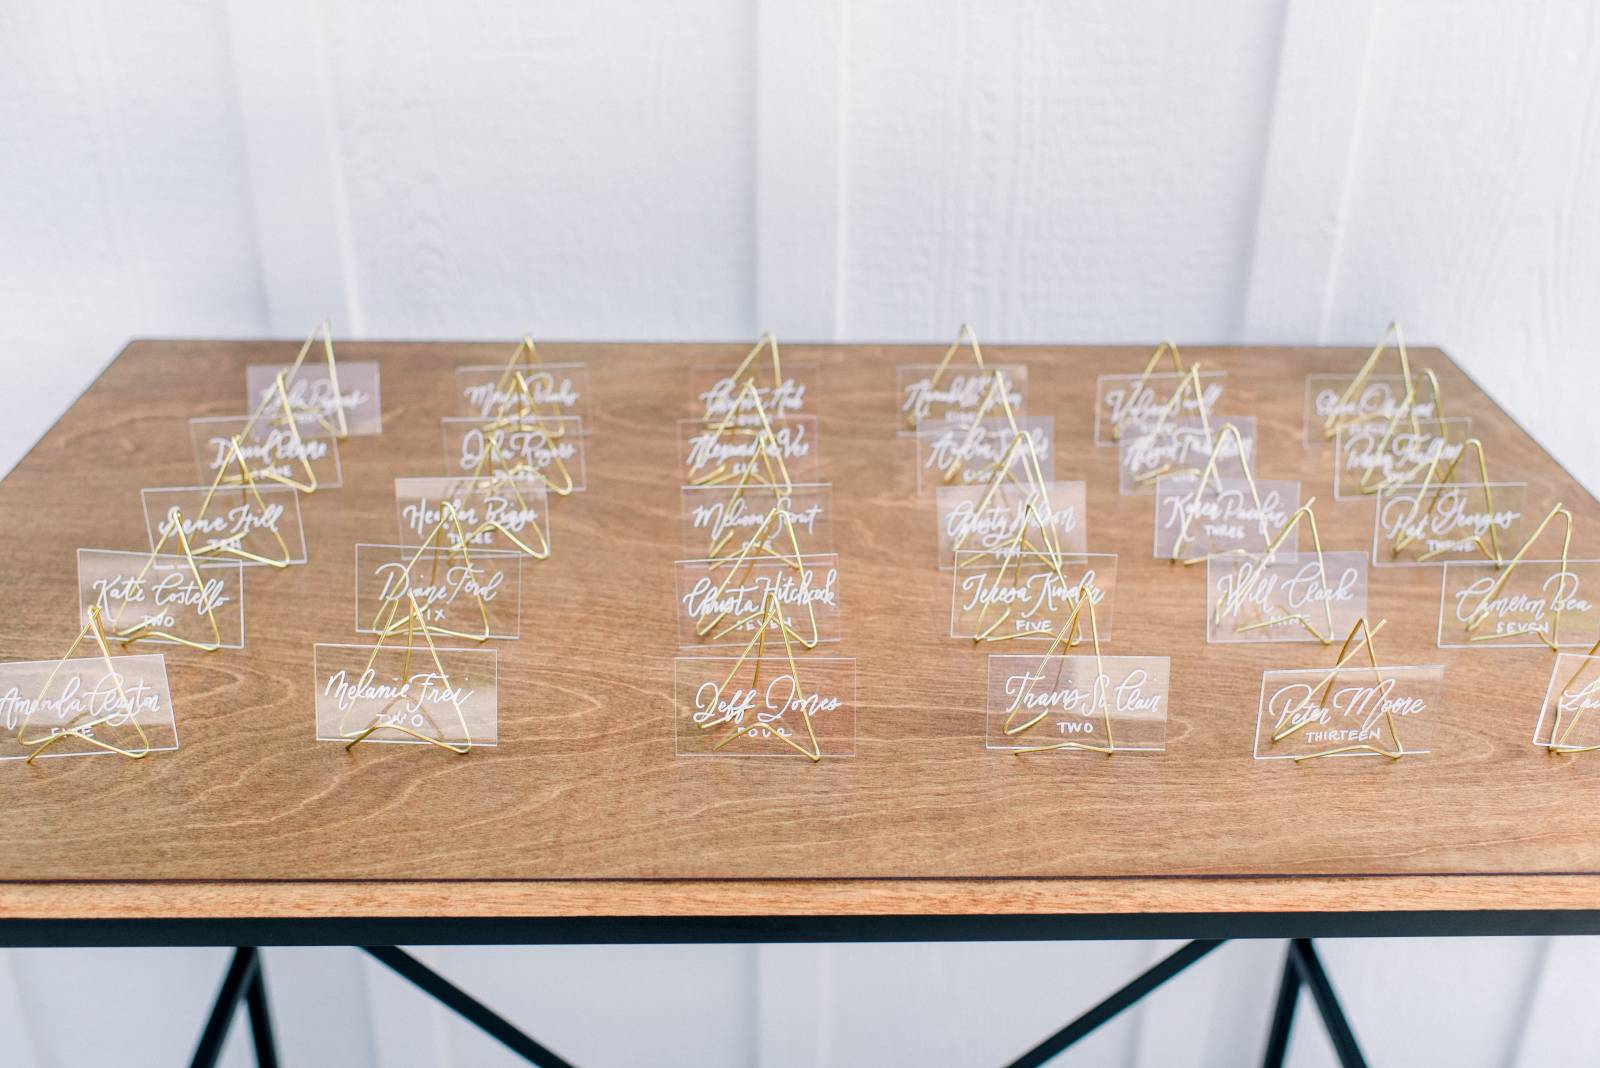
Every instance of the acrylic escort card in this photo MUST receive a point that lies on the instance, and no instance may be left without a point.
(1226, 516)
(271, 449)
(1434, 523)
(549, 448)
(1380, 399)
(61, 708)
(475, 594)
(722, 603)
(422, 695)
(494, 513)
(1010, 517)
(716, 392)
(311, 391)
(1286, 597)
(1569, 718)
(1025, 597)
(771, 706)
(1535, 603)
(959, 454)
(1354, 711)
(718, 454)
(252, 524)
(545, 389)
(1370, 456)
(1182, 445)
(161, 597)
(720, 520)
(1125, 402)
(1082, 703)
(929, 398)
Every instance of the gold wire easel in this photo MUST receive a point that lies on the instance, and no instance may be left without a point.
(1166, 348)
(340, 427)
(767, 451)
(449, 521)
(1478, 615)
(1173, 409)
(1346, 652)
(1206, 474)
(416, 621)
(516, 382)
(246, 485)
(1409, 412)
(1558, 738)
(1331, 425)
(147, 630)
(767, 343)
(995, 394)
(770, 617)
(95, 628)
(1256, 566)
(279, 391)
(1063, 640)
(493, 431)
(964, 336)
(743, 563)
(1036, 505)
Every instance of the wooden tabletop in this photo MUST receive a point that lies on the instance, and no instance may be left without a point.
(583, 807)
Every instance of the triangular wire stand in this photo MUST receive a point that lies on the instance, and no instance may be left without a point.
(1558, 738)
(751, 363)
(415, 621)
(1207, 473)
(1255, 565)
(1481, 613)
(1346, 653)
(742, 564)
(286, 416)
(340, 427)
(768, 617)
(146, 631)
(450, 520)
(1036, 504)
(964, 336)
(508, 467)
(773, 471)
(1064, 640)
(1408, 413)
(1166, 348)
(513, 384)
(1437, 481)
(1331, 425)
(246, 484)
(1173, 409)
(994, 395)
(95, 627)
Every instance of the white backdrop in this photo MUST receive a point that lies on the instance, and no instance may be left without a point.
(1265, 170)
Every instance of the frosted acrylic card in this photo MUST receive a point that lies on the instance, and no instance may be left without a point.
(1569, 718)
(1380, 399)
(1416, 525)
(721, 520)
(1227, 516)
(765, 707)
(1370, 456)
(271, 450)
(311, 390)
(255, 526)
(488, 509)
(714, 392)
(1123, 402)
(957, 396)
(550, 389)
(1030, 597)
(723, 603)
(162, 598)
(548, 448)
(475, 594)
(951, 454)
(708, 454)
(87, 706)
(1011, 517)
(1077, 703)
(1182, 446)
(1536, 603)
(1288, 597)
(405, 696)
(1357, 711)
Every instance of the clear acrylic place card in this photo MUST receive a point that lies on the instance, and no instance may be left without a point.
(1123, 402)
(1182, 445)
(707, 455)
(1286, 597)
(252, 524)
(956, 396)
(767, 706)
(1027, 597)
(1569, 718)
(1077, 703)
(402, 696)
(715, 392)
(549, 448)
(88, 706)
(1535, 603)
(491, 511)
(1226, 516)
(1354, 711)
(161, 597)
(1370, 456)
(721, 602)
(720, 520)
(954, 454)
(1380, 399)
(1415, 525)
(311, 391)
(271, 450)
(475, 594)
(1010, 516)
(549, 389)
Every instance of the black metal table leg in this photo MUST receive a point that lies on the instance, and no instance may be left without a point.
(1117, 1002)
(1283, 1014)
(243, 980)
(255, 1000)
(473, 1010)
(1307, 963)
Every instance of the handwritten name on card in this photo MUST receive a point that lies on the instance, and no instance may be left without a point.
(721, 520)
(719, 604)
(229, 523)
(1288, 597)
(1030, 597)
(271, 450)
(311, 390)
(976, 457)
(160, 599)
(474, 594)
(1380, 399)
(1181, 446)
(485, 507)
(1224, 517)
(397, 687)
(111, 705)
(1049, 516)
(552, 389)
(1539, 601)
(1569, 717)
(1449, 521)
(1370, 456)
(1121, 401)
(956, 396)
(764, 708)
(1361, 712)
(706, 455)
(548, 448)
(1105, 702)
(715, 393)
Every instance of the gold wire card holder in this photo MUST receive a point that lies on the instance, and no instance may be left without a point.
(1123, 401)
(343, 396)
(1283, 596)
(548, 449)
(495, 512)
(1436, 522)
(1207, 514)
(164, 597)
(1175, 443)
(406, 692)
(765, 704)
(1370, 457)
(460, 592)
(718, 520)
(763, 383)
(295, 450)
(957, 388)
(1569, 717)
(1020, 594)
(1011, 514)
(234, 518)
(780, 453)
(1333, 401)
(525, 388)
(725, 601)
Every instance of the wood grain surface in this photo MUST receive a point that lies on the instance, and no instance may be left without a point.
(584, 784)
